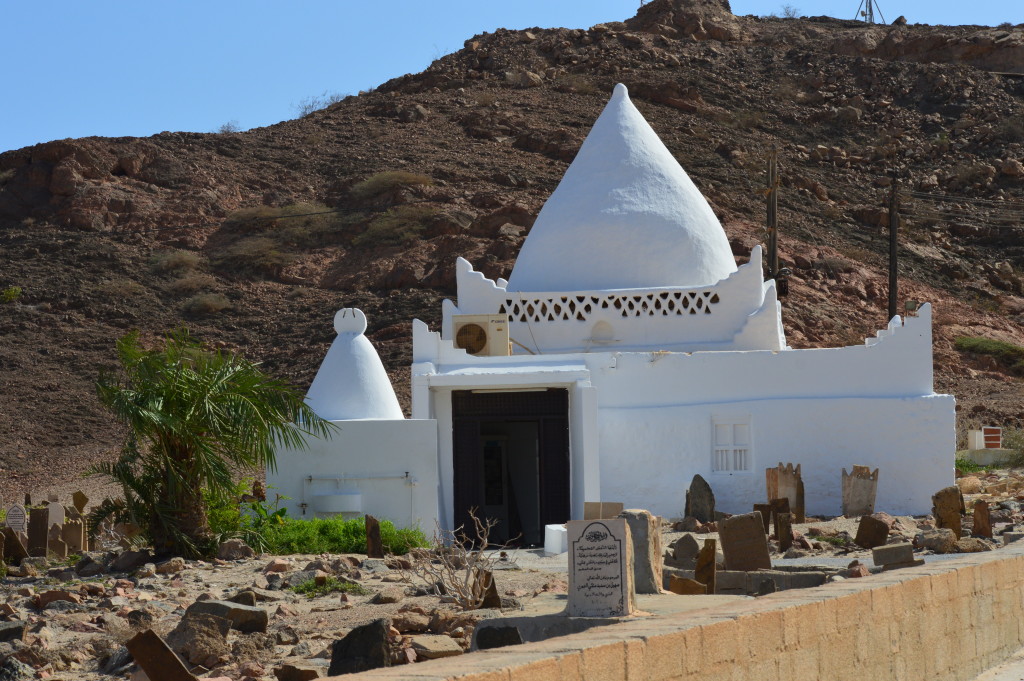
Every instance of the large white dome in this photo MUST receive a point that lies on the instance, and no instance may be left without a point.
(625, 215)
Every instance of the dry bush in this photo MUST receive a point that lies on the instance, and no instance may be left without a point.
(1010, 129)
(255, 255)
(485, 98)
(207, 304)
(191, 283)
(175, 261)
(459, 565)
(387, 182)
(317, 102)
(575, 83)
(397, 226)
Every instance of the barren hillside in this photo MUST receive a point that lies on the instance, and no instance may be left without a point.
(224, 232)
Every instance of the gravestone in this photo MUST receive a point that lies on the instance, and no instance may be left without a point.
(73, 535)
(55, 542)
(599, 510)
(156, 659)
(982, 519)
(600, 568)
(56, 513)
(859, 488)
(779, 506)
(686, 587)
(79, 500)
(374, 545)
(707, 564)
(646, 535)
(37, 531)
(948, 507)
(16, 518)
(784, 530)
(744, 543)
(871, 532)
(785, 482)
(766, 516)
(700, 500)
(682, 553)
(14, 547)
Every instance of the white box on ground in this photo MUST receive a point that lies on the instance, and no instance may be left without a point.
(555, 540)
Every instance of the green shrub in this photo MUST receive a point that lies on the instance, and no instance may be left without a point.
(1010, 356)
(206, 304)
(380, 184)
(312, 589)
(10, 294)
(175, 261)
(230, 517)
(967, 465)
(336, 535)
(300, 224)
(397, 226)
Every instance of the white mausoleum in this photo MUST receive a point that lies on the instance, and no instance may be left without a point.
(640, 356)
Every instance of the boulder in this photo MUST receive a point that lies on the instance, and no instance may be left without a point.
(12, 631)
(127, 560)
(200, 636)
(363, 648)
(433, 646)
(171, 567)
(234, 549)
(244, 618)
(298, 672)
(969, 485)
(941, 540)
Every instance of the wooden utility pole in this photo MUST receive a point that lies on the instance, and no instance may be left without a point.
(772, 224)
(894, 221)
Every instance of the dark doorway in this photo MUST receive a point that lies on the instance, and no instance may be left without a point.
(511, 461)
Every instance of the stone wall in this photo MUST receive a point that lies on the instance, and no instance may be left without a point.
(945, 620)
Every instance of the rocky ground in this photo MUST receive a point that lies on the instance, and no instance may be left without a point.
(102, 235)
(67, 620)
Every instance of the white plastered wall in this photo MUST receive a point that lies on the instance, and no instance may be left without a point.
(392, 464)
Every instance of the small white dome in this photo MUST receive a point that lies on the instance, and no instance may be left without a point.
(352, 383)
(625, 215)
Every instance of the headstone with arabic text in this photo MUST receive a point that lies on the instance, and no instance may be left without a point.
(17, 519)
(600, 568)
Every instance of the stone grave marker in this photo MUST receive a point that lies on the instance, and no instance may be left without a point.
(859, 489)
(647, 565)
(79, 500)
(28, 499)
(744, 543)
(55, 542)
(871, 532)
(37, 531)
(686, 587)
(156, 659)
(948, 507)
(599, 510)
(779, 506)
(700, 500)
(600, 568)
(374, 545)
(52, 497)
(16, 518)
(784, 530)
(785, 482)
(766, 516)
(55, 512)
(707, 564)
(982, 519)
(14, 547)
(73, 535)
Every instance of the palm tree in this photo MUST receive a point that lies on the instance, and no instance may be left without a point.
(193, 417)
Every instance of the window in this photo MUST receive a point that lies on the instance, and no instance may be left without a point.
(731, 445)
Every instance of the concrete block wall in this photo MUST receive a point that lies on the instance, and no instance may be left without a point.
(946, 620)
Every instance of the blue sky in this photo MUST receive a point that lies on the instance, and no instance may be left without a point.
(136, 68)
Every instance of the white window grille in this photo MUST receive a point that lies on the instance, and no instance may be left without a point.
(731, 445)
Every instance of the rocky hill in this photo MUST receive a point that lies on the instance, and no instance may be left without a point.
(228, 234)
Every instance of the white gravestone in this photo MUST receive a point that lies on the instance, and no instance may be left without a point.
(16, 518)
(600, 568)
(56, 513)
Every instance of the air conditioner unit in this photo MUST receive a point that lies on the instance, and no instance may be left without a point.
(482, 334)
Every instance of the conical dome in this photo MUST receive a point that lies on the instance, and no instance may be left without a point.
(625, 215)
(352, 383)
